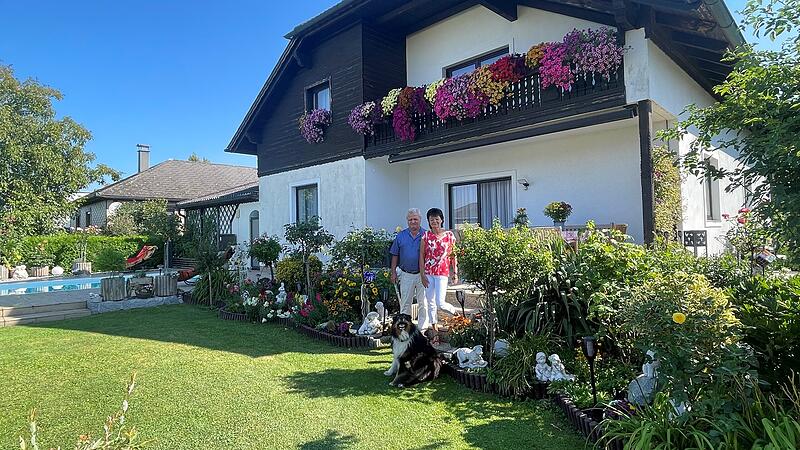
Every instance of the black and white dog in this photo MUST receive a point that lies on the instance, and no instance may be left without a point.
(415, 359)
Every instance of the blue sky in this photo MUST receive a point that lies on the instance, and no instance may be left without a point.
(177, 75)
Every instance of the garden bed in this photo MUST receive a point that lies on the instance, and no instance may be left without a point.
(584, 423)
(479, 382)
(342, 341)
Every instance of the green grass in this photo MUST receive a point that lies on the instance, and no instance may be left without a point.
(204, 383)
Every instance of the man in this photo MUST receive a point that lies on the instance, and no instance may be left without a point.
(405, 256)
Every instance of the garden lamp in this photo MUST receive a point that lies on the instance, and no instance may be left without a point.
(385, 296)
(589, 347)
(299, 288)
(460, 296)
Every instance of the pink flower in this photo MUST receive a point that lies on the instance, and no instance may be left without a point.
(742, 220)
(726, 216)
(744, 210)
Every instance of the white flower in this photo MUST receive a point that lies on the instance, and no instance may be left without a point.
(264, 320)
(124, 406)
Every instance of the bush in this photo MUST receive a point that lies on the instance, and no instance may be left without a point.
(220, 279)
(149, 218)
(265, 249)
(109, 260)
(769, 309)
(65, 248)
(516, 370)
(374, 243)
(345, 285)
(289, 271)
(691, 327)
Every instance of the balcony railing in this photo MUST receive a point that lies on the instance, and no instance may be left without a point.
(525, 103)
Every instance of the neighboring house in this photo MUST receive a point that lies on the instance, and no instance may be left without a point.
(172, 180)
(233, 211)
(589, 146)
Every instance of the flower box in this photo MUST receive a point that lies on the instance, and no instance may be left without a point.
(479, 382)
(42, 271)
(113, 289)
(82, 268)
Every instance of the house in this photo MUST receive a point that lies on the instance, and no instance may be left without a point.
(172, 180)
(589, 144)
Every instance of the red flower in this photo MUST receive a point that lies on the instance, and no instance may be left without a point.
(742, 220)
(744, 210)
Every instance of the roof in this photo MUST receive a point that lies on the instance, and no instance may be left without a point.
(176, 180)
(245, 193)
(695, 33)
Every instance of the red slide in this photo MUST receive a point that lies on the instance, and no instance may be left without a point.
(144, 254)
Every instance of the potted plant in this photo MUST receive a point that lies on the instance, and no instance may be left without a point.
(39, 263)
(139, 279)
(558, 211)
(115, 286)
(81, 266)
(265, 250)
(143, 291)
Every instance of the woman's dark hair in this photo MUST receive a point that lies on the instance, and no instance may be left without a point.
(435, 212)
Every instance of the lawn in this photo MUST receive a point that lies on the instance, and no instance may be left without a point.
(207, 383)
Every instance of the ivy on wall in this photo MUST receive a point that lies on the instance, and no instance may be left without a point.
(667, 192)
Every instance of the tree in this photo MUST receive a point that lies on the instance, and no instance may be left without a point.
(758, 116)
(42, 159)
(307, 237)
(194, 158)
(149, 217)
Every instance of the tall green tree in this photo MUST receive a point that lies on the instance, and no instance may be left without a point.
(42, 159)
(758, 116)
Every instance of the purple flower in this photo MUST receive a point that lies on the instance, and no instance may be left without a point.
(364, 117)
(459, 98)
(313, 123)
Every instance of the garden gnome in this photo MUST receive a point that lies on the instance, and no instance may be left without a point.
(558, 372)
(280, 299)
(643, 387)
(542, 369)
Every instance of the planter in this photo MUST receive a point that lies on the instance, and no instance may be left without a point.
(287, 322)
(342, 341)
(165, 285)
(113, 288)
(225, 315)
(82, 268)
(42, 271)
(3, 272)
(479, 382)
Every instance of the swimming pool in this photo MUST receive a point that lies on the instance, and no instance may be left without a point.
(53, 285)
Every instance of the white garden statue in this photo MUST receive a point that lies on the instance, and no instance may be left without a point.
(381, 310)
(642, 389)
(471, 358)
(19, 273)
(280, 299)
(542, 369)
(501, 348)
(371, 325)
(57, 271)
(557, 370)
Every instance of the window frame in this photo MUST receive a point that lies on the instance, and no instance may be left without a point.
(477, 183)
(295, 195)
(711, 194)
(311, 91)
(475, 61)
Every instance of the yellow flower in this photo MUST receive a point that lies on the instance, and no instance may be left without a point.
(352, 283)
(386, 274)
(679, 318)
(357, 297)
(344, 294)
(375, 291)
(372, 285)
(398, 229)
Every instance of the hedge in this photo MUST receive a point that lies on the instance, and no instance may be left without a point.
(64, 248)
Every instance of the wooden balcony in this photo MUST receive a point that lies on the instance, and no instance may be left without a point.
(525, 105)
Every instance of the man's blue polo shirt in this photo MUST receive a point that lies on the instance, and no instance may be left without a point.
(406, 248)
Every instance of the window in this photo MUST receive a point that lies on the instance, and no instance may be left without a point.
(306, 202)
(711, 191)
(319, 96)
(480, 202)
(472, 64)
(88, 218)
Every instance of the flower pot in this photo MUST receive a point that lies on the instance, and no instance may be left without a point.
(113, 288)
(82, 268)
(42, 271)
(165, 285)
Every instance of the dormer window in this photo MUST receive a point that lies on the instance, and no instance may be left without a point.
(471, 64)
(319, 96)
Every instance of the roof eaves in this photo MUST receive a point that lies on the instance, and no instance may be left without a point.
(726, 22)
(340, 9)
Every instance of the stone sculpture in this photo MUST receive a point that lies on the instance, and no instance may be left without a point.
(501, 348)
(280, 299)
(542, 369)
(19, 273)
(381, 310)
(557, 370)
(57, 271)
(471, 358)
(371, 325)
(642, 389)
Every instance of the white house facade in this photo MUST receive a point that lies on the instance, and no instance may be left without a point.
(592, 152)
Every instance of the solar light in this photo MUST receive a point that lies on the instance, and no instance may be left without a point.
(460, 296)
(589, 347)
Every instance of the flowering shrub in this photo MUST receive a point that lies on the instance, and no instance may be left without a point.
(430, 91)
(535, 54)
(597, 52)
(410, 101)
(390, 101)
(364, 117)
(345, 285)
(558, 211)
(458, 98)
(313, 123)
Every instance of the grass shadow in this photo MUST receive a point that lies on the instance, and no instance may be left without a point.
(195, 326)
(332, 441)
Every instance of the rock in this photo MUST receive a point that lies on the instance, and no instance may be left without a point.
(57, 271)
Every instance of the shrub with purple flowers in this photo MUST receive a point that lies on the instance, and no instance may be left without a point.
(554, 68)
(313, 123)
(598, 52)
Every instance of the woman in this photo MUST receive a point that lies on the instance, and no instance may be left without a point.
(436, 256)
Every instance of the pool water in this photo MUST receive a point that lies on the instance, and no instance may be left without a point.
(53, 285)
